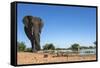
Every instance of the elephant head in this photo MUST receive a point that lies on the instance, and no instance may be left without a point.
(32, 28)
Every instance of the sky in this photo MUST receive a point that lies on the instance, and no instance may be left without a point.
(63, 25)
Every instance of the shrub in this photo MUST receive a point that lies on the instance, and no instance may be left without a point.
(75, 47)
(48, 47)
(21, 46)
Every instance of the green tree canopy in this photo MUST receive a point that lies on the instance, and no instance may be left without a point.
(49, 47)
(21, 46)
(75, 47)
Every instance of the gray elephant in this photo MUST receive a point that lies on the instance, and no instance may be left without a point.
(32, 27)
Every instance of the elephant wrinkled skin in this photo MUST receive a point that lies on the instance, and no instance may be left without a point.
(32, 27)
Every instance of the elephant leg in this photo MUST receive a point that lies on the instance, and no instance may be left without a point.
(37, 41)
(33, 46)
(30, 37)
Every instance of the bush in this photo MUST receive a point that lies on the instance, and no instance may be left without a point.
(21, 46)
(48, 47)
(75, 47)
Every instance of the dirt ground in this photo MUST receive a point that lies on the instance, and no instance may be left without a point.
(38, 58)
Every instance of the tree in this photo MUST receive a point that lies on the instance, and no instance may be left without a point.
(75, 47)
(21, 46)
(49, 47)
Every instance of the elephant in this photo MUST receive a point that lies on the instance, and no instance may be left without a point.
(32, 28)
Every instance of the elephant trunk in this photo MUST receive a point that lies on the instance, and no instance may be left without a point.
(33, 46)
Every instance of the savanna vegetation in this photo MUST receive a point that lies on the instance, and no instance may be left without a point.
(21, 47)
(49, 47)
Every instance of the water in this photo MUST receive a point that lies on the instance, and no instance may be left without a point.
(87, 51)
(82, 51)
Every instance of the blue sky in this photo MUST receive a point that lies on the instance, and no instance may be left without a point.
(63, 26)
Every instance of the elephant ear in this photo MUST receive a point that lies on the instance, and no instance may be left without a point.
(40, 24)
(25, 21)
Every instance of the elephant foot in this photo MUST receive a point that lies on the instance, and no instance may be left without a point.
(33, 51)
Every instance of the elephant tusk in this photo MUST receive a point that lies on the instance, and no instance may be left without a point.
(32, 30)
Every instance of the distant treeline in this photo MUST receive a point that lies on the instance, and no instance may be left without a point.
(49, 46)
